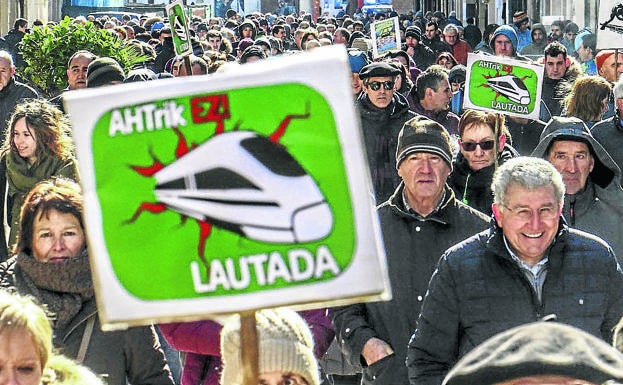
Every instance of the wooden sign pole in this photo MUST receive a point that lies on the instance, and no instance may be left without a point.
(249, 348)
(189, 70)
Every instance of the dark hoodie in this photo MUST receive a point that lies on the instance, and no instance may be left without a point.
(534, 48)
(598, 208)
(247, 23)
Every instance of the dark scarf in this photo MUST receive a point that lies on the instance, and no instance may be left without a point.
(63, 287)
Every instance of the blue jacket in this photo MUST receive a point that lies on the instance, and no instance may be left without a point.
(479, 291)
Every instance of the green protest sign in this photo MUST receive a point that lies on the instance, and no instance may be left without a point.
(204, 197)
(179, 28)
(501, 85)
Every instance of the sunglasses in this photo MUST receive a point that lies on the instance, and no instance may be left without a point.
(471, 146)
(388, 85)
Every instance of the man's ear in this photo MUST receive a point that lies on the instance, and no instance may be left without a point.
(567, 62)
(496, 214)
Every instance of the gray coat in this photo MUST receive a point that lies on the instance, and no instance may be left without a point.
(598, 209)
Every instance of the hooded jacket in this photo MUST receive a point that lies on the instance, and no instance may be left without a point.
(598, 208)
(250, 24)
(413, 245)
(511, 35)
(534, 49)
(474, 187)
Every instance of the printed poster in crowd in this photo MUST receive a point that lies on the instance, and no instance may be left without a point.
(502, 85)
(385, 36)
(229, 192)
(610, 24)
(179, 28)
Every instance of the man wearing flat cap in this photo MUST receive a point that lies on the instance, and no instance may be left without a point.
(419, 221)
(421, 54)
(383, 112)
(540, 353)
(528, 266)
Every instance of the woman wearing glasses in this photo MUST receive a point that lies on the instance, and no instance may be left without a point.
(483, 147)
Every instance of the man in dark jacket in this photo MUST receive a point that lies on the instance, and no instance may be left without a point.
(77, 66)
(528, 266)
(11, 91)
(431, 98)
(560, 73)
(432, 40)
(421, 54)
(383, 112)
(419, 221)
(13, 38)
(594, 198)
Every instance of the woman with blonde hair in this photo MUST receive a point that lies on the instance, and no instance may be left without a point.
(25, 340)
(588, 99)
(37, 146)
(26, 356)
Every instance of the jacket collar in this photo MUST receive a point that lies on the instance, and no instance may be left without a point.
(440, 215)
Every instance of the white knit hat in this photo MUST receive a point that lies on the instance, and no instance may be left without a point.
(285, 344)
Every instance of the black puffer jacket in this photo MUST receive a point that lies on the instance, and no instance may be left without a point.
(413, 245)
(474, 187)
(380, 128)
(479, 291)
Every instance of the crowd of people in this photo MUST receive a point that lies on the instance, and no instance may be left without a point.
(503, 234)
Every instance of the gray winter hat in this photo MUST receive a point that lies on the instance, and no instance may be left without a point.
(538, 349)
(421, 134)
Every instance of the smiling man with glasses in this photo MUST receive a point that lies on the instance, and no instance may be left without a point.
(528, 266)
(383, 111)
(483, 147)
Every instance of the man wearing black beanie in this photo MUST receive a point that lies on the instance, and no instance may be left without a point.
(419, 222)
(104, 71)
